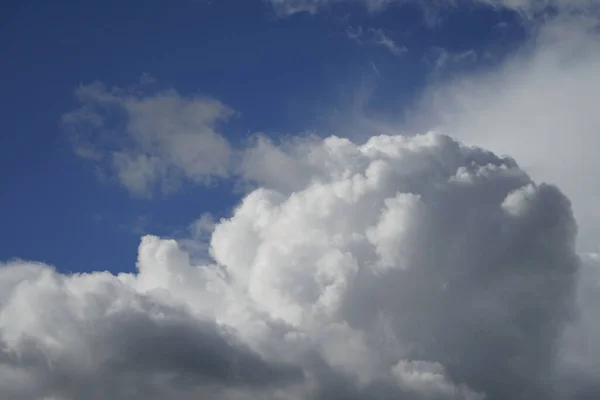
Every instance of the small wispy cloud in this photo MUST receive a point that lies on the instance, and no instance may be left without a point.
(286, 8)
(149, 140)
(376, 37)
(443, 58)
(381, 39)
(355, 34)
(537, 10)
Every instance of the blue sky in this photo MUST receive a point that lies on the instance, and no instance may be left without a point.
(283, 76)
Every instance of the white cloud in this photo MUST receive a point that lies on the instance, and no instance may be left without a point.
(272, 165)
(444, 58)
(95, 336)
(381, 39)
(532, 8)
(527, 8)
(429, 378)
(401, 268)
(289, 7)
(150, 140)
(540, 107)
(375, 37)
(407, 267)
(355, 34)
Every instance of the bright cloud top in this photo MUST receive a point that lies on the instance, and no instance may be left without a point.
(150, 140)
(404, 267)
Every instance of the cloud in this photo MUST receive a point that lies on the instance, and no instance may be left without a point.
(538, 106)
(404, 267)
(530, 9)
(150, 140)
(443, 59)
(289, 7)
(93, 336)
(533, 8)
(381, 39)
(581, 347)
(375, 37)
(355, 34)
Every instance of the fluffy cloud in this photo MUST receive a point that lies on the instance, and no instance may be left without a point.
(538, 106)
(580, 350)
(94, 336)
(405, 267)
(150, 140)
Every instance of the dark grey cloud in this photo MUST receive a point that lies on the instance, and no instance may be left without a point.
(124, 347)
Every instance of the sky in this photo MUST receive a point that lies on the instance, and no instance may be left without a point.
(281, 76)
(300, 199)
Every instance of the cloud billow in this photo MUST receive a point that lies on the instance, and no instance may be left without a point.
(405, 267)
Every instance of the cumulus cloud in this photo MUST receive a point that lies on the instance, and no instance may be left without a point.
(538, 106)
(580, 350)
(405, 267)
(150, 140)
(93, 336)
